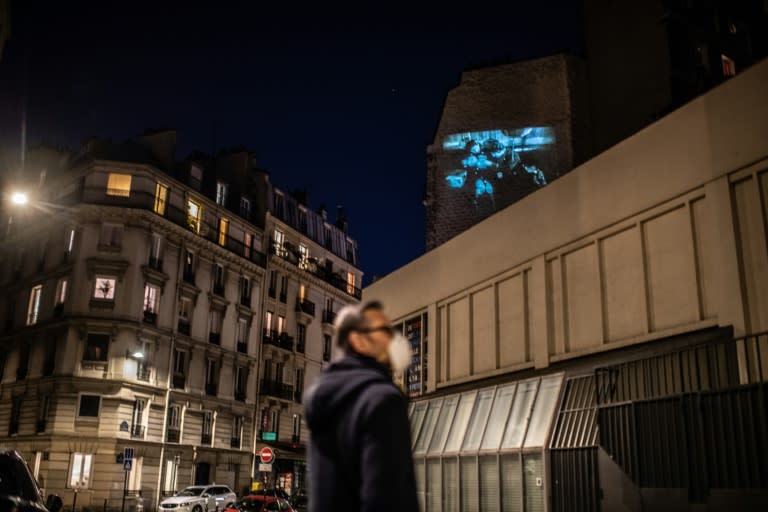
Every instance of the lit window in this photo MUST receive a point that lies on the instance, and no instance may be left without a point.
(247, 242)
(61, 291)
(303, 256)
(242, 330)
(161, 199)
(119, 185)
(80, 472)
(221, 193)
(33, 310)
(350, 283)
(268, 320)
(185, 308)
(278, 238)
(302, 292)
(96, 347)
(280, 324)
(223, 230)
(151, 298)
(194, 215)
(729, 66)
(70, 238)
(105, 288)
(296, 427)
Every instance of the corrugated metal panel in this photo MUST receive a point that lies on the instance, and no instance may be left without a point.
(575, 480)
(576, 425)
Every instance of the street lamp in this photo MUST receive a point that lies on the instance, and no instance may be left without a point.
(19, 198)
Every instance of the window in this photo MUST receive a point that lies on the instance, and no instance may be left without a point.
(350, 252)
(237, 431)
(161, 199)
(156, 251)
(242, 330)
(729, 66)
(151, 298)
(245, 289)
(137, 417)
(196, 173)
(223, 230)
(303, 256)
(111, 235)
(247, 243)
(268, 320)
(221, 193)
(33, 309)
(278, 238)
(179, 362)
(80, 470)
(280, 323)
(119, 185)
(326, 347)
(272, 283)
(296, 428)
(70, 240)
(13, 426)
(215, 321)
(245, 208)
(185, 309)
(61, 291)
(283, 288)
(274, 420)
(42, 413)
(96, 347)
(301, 337)
(240, 378)
(218, 278)
(350, 283)
(104, 288)
(189, 264)
(89, 406)
(207, 427)
(299, 380)
(194, 215)
(211, 372)
(174, 417)
(302, 292)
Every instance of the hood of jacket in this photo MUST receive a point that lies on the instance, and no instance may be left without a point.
(338, 385)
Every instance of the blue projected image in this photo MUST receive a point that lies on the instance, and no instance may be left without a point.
(497, 165)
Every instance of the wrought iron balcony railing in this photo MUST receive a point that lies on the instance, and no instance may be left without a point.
(305, 306)
(172, 435)
(184, 327)
(277, 389)
(328, 316)
(137, 431)
(242, 347)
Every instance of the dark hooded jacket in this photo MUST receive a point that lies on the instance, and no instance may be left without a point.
(360, 443)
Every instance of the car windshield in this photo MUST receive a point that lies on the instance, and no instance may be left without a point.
(191, 491)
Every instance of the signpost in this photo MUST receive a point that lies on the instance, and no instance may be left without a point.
(127, 465)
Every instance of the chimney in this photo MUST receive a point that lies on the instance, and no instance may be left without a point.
(341, 218)
(161, 144)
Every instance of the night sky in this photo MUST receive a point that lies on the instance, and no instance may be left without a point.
(341, 103)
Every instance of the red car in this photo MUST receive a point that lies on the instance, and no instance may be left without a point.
(260, 503)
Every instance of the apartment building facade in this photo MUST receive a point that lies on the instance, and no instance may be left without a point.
(131, 307)
(311, 274)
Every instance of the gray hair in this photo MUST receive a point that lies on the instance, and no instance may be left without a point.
(352, 318)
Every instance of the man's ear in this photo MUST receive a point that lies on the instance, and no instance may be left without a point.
(357, 342)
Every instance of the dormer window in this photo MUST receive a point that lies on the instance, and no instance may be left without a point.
(119, 185)
(245, 208)
(221, 193)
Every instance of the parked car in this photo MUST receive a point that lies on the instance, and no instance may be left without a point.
(200, 498)
(19, 491)
(260, 503)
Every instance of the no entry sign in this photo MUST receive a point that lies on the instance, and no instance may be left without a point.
(266, 455)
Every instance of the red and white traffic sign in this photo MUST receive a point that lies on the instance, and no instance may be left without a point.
(266, 455)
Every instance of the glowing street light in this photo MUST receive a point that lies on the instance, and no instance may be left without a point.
(19, 198)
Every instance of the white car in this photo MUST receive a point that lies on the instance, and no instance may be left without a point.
(200, 498)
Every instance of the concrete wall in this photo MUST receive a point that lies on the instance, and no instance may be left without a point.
(661, 234)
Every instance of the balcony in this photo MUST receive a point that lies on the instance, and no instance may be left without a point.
(178, 381)
(305, 306)
(211, 389)
(205, 439)
(328, 316)
(240, 395)
(277, 389)
(178, 215)
(314, 267)
(242, 347)
(184, 327)
(281, 340)
(40, 426)
(150, 317)
(234, 443)
(172, 435)
(215, 338)
(218, 289)
(137, 431)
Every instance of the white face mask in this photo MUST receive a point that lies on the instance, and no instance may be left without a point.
(400, 353)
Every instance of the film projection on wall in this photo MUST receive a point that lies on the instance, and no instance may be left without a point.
(494, 168)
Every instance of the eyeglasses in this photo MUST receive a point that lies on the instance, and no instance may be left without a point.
(384, 328)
